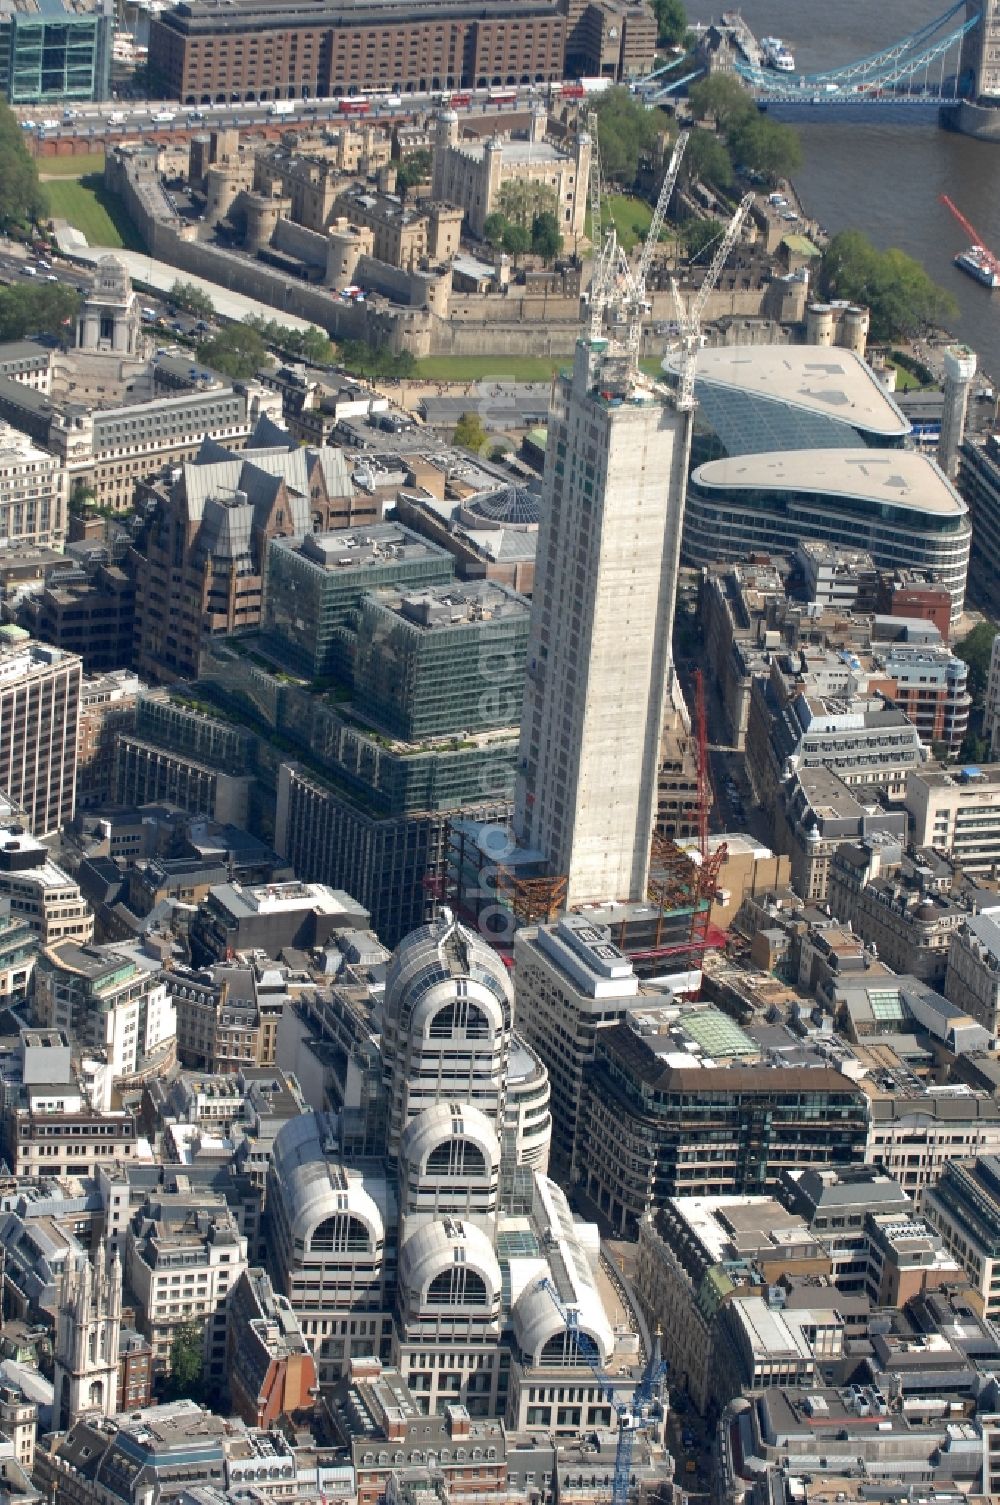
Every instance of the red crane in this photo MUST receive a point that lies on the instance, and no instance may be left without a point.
(972, 233)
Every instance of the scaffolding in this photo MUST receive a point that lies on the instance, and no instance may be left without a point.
(675, 922)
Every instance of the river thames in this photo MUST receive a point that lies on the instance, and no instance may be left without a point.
(883, 173)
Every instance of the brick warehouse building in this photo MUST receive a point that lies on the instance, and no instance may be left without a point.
(202, 53)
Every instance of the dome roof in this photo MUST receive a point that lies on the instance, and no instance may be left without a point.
(537, 1319)
(505, 506)
(440, 953)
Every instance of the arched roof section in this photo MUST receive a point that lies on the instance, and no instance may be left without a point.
(315, 1186)
(448, 1121)
(433, 1248)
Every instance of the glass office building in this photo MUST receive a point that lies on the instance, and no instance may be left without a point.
(314, 584)
(444, 662)
(801, 442)
(57, 52)
(897, 505)
(753, 399)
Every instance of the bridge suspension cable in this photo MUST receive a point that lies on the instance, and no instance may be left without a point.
(882, 73)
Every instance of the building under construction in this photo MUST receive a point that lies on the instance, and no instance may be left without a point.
(499, 888)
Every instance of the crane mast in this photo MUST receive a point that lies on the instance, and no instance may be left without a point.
(630, 1411)
(614, 286)
(689, 318)
(618, 290)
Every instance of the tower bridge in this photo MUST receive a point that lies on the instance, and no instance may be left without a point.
(951, 63)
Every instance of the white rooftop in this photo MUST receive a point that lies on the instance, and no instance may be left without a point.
(818, 379)
(900, 477)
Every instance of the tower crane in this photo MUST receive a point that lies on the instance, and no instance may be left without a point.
(614, 284)
(631, 1411)
(689, 318)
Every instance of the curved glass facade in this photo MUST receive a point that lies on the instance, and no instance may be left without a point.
(722, 524)
(731, 422)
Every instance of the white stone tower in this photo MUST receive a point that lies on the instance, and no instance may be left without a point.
(959, 374)
(109, 321)
(599, 659)
(446, 1044)
(88, 1324)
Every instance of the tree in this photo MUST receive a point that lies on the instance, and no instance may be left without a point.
(310, 345)
(362, 359)
(902, 298)
(521, 200)
(698, 234)
(546, 240)
(414, 169)
(187, 1363)
(625, 130)
(516, 240)
(671, 22)
(976, 649)
(81, 497)
(22, 198)
(469, 433)
(192, 299)
(493, 229)
(42, 308)
(707, 159)
(314, 346)
(765, 146)
(722, 96)
(238, 351)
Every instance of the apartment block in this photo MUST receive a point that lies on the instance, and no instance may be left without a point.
(201, 571)
(49, 1125)
(104, 1001)
(184, 1253)
(570, 983)
(39, 892)
(257, 53)
(972, 976)
(34, 490)
(39, 729)
(107, 707)
(796, 727)
(89, 611)
(270, 1370)
(958, 813)
(897, 904)
(18, 949)
(111, 449)
(817, 811)
(964, 1207)
(916, 1129)
(685, 1102)
(313, 584)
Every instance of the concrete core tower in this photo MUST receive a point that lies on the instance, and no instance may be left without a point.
(599, 658)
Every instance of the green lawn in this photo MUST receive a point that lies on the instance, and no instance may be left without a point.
(905, 380)
(93, 211)
(70, 167)
(631, 217)
(477, 367)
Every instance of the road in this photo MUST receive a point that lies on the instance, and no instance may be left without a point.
(123, 118)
